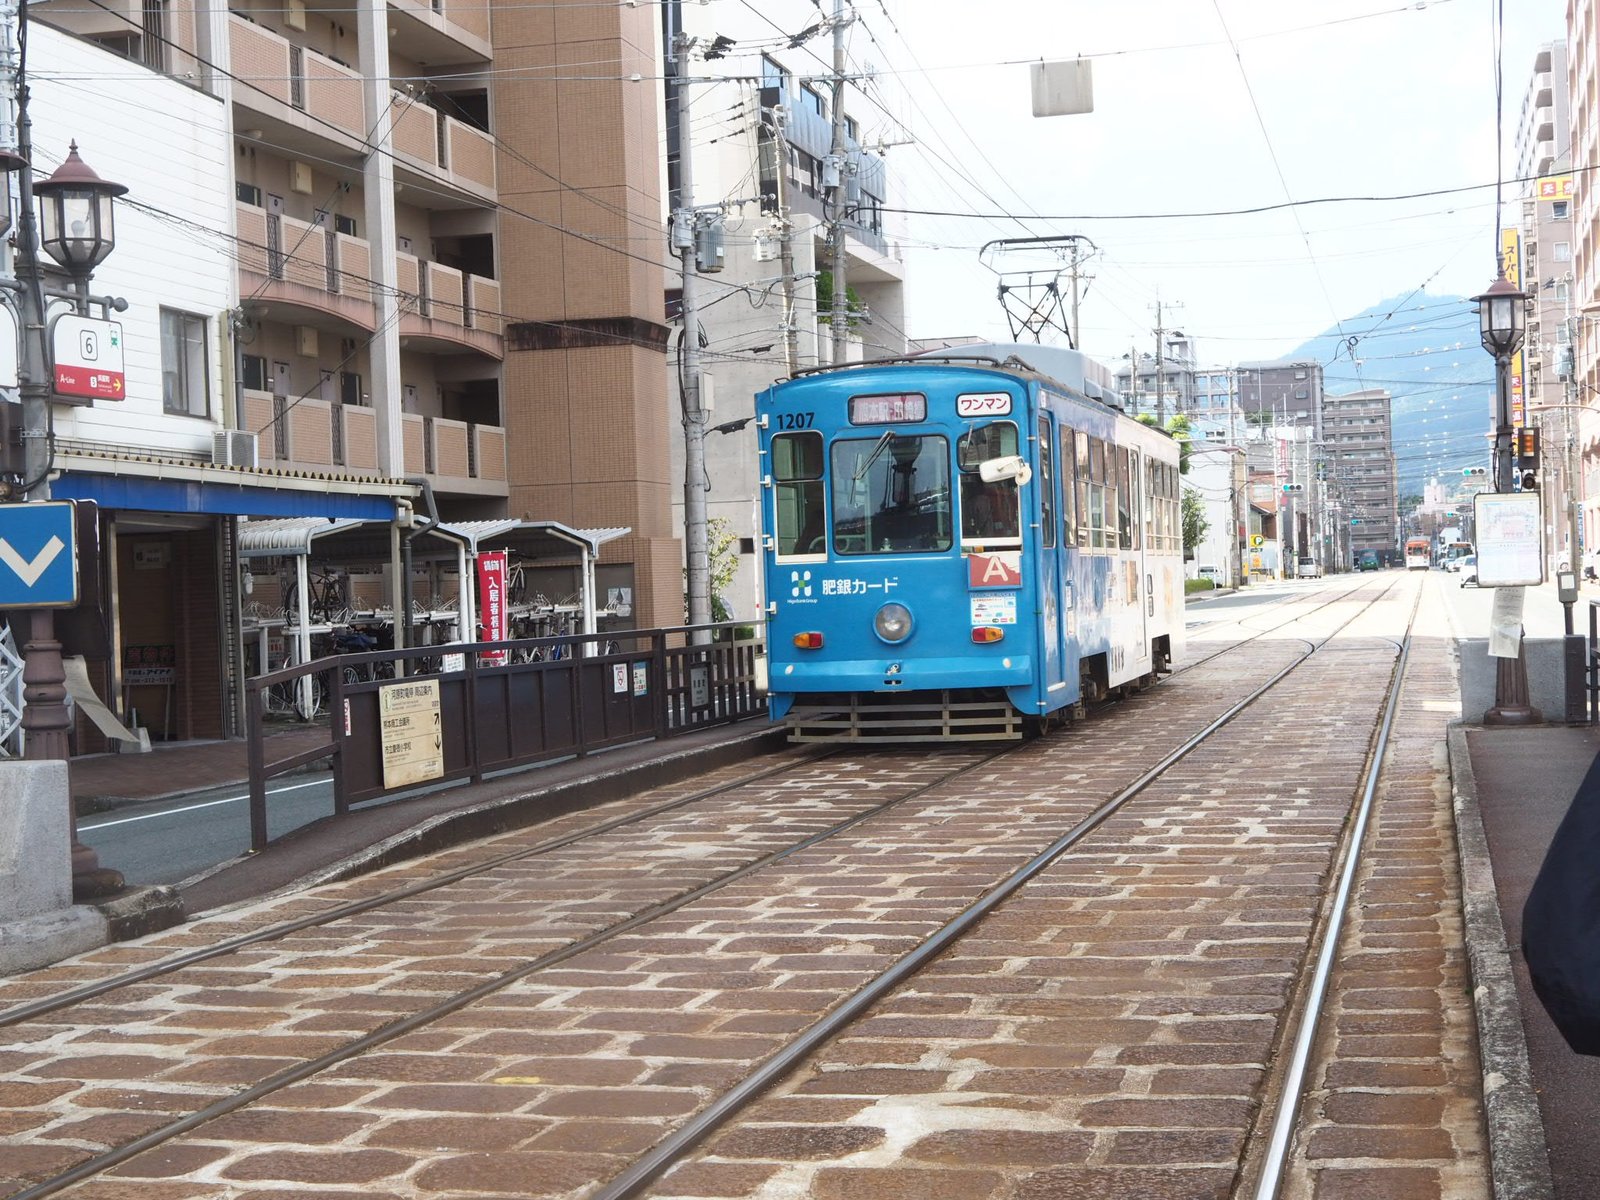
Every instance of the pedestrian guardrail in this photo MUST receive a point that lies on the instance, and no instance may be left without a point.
(402, 719)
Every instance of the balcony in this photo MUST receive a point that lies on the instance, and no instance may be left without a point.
(308, 94)
(444, 310)
(315, 435)
(316, 272)
(302, 100)
(438, 145)
(440, 31)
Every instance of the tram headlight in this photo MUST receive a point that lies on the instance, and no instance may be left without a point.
(893, 622)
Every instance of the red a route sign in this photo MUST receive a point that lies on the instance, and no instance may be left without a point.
(1002, 569)
(88, 357)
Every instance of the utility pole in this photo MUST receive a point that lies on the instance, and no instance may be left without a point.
(1075, 339)
(840, 190)
(696, 550)
(791, 332)
(1161, 385)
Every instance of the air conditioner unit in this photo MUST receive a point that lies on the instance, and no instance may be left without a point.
(295, 15)
(233, 448)
(305, 341)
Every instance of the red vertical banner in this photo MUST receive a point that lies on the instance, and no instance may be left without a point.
(494, 622)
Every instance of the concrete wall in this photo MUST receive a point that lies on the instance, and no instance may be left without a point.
(1546, 677)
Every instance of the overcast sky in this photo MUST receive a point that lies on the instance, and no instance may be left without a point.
(1355, 97)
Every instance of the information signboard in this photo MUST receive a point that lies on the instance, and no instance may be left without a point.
(413, 741)
(88, 357)
(1507, 543)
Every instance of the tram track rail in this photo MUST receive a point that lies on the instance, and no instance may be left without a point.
(155, 970)
(692, 1133)
(97, 1164)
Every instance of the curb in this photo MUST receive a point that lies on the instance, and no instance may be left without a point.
(1519, 1163)
(519, 809)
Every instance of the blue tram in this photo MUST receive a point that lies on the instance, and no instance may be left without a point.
(963, 545)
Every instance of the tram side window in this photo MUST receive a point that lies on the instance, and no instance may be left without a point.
(1081, 457)
(797, 480)
(1124, 501)
(1102, 497)
(1154, 537)
(1047, 484)
(990, 512)
(891, 495)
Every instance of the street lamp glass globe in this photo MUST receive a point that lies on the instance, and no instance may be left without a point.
(1501, 318)
(76, 215)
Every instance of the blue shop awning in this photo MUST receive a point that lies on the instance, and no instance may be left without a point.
(198, 488)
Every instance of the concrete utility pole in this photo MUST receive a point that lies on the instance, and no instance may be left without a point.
(1161, 387)
(696, 549)
(791, 332)
(839, 321)
(1075, 340)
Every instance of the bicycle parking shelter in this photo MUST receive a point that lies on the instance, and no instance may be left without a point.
(349, 545)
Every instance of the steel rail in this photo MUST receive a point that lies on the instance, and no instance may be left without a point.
(1291, 1092)
(25, 1012)
(671, 1149)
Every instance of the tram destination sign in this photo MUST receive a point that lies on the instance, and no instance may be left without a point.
(413, 740)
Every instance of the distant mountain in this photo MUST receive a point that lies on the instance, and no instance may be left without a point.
(1425, 350)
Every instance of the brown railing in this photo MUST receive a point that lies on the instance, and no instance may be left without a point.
(551, 698)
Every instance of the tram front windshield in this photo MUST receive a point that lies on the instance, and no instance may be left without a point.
(989, 511)
(891, 494)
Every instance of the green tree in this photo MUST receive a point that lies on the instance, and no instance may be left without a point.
(1181, 431)
(1194, 521)
(722, 544)
(852, 301)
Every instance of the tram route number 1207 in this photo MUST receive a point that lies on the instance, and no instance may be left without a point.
(803, 420)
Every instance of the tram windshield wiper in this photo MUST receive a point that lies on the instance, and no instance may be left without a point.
(877, 451)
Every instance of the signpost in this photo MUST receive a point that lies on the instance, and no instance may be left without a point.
(38, 555)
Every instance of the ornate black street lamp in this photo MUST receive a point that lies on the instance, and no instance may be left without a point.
(1502, 320)
(76, 214)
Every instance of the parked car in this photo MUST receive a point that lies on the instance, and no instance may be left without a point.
(1214, 574)
(1307, 568)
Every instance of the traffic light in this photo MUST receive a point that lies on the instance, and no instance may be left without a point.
(1526, 447)
(1294, 487)
(1474, 472)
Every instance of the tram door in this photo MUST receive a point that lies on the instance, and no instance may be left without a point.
(1144, 593)
(1052, 553)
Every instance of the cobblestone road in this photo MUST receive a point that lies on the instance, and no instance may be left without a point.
(1109, 1032)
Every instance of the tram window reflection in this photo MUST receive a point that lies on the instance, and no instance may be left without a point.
(891, 494)
(799, 495)
(990, 512)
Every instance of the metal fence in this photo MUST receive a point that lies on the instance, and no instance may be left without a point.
(400, 719)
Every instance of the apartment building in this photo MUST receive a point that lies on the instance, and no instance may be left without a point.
(1359, 478)
(1583, 91)
(360, 294)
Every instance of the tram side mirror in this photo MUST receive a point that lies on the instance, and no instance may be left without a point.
(999, 470)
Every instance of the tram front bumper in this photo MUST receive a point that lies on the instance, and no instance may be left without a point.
(901, 675)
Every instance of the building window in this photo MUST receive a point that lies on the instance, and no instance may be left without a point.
(343, 224)
(1558, 210)
(183, 364)
(813, 100)
(350, 388)
(253, 373)
(852, 130)
(1563, 251)
(247, 193)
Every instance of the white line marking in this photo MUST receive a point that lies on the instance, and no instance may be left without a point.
(168, 812)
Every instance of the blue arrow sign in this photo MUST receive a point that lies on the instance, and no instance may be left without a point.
(38, 555)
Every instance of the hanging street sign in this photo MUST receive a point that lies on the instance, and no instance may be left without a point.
(38, 555)
(88, 358)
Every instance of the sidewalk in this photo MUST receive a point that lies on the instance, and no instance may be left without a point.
(1519, 782)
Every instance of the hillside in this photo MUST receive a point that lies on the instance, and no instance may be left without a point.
(1425, 350)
